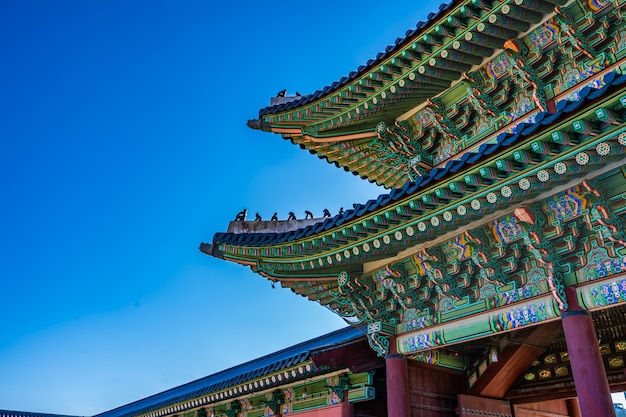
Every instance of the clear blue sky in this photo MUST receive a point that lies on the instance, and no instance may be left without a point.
(123, 145)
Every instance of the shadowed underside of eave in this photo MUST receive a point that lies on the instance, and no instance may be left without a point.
(320, 248)
(435, 58)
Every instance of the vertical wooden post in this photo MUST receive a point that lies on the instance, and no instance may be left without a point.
(397, 383)
(347, 408)
(592, 385)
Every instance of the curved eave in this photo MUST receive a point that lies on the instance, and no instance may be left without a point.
(399, 80)
(357, 86)
(412, 69)
(418, 212)
(198, 393)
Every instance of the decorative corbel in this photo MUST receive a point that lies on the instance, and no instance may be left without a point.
(442, 122)
(394, 146)
(606, 218)
(356, 298)
(234, 409)
(394, 287)
(477, 97)
(433, 265)
(572, 35)
(277, 400)
(342, 387)
(617, 11)
(533, 221)
(379, 335)
(481, 256)
(523, 73)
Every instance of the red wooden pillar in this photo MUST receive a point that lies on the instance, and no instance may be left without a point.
(397, 383)
(347, 408)
(592, 385)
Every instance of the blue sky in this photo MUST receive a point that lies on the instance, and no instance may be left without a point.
(123, 145)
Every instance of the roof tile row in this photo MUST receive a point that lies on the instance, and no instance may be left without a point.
(231, 377)
(503, 140)
(353, 75)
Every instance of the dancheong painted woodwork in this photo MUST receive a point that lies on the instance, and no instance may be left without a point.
(330, 373)
(498, 129)
(489, 278)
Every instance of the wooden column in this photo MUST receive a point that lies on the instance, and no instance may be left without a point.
(592, 385)
(347, 408)
(397, 382)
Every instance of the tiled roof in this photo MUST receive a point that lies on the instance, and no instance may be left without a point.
(238, 374)
(354, 75)
(502, 141)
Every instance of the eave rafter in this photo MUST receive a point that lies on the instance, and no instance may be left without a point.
(427, 62)
(547, 234)
(570, 148)
(357, 158)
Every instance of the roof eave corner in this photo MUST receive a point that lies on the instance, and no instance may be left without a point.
(259, 124)
(211, 250)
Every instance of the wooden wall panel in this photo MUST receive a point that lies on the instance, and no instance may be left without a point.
(554, 408)
(471, 406)
(433, 392)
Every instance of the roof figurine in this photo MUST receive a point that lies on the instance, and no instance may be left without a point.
(241, 216)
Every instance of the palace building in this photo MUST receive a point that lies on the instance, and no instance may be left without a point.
(490, 277)
(324, 376)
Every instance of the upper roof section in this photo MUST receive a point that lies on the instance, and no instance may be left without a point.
(533, 144)
(541, 102)
(197, 392)
(450, 84)
(394, 64)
